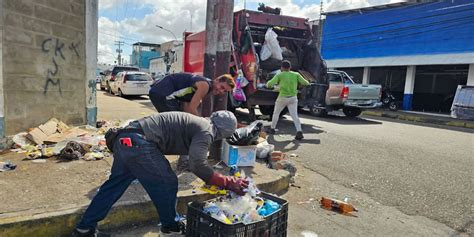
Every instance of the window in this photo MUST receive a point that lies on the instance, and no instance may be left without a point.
(138, 77)
(121, 69)
(333, 77)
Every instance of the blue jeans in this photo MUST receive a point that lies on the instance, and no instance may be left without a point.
(145, 162)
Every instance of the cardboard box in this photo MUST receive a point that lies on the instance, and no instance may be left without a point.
(238, 155)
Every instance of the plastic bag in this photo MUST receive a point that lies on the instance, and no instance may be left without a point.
(247, 135)
(265, 53)
(238, 93)
(264, 149)
(272, 44)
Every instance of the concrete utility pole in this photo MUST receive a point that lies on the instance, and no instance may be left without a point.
(119, 51)
(219, 17)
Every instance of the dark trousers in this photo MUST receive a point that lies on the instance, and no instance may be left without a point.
(164, 105)
(145, 162)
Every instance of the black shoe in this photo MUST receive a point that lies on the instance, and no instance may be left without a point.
(299, 135)
(178, 230)
(90, 233)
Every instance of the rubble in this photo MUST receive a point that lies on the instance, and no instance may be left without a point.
(55, 138)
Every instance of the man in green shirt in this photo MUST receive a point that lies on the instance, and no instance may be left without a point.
(288, 82)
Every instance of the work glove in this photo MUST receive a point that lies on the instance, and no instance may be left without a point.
(231, 183)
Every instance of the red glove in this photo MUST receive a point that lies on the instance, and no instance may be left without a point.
(234, 184)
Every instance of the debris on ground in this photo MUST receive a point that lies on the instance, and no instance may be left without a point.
(7, 166)
(338, 206)
(72, 151)
(306, 202)
(232, 208)
(55, 138)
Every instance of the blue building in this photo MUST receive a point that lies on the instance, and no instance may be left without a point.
(142, 54)
(420, 50)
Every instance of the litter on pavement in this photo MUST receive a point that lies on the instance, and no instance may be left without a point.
(338, 206)
(55, 138)
(7, 166)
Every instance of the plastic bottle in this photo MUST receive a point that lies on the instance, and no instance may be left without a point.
(337, 205)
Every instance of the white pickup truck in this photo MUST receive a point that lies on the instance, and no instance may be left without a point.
(344, 94)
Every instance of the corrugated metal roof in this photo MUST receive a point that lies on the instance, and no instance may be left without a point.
(378, 7)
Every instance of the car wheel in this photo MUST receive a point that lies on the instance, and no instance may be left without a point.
(317, 111)
(119, 93)
(393, 106)
(352, 112)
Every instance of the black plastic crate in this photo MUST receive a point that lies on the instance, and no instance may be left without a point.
(200, 224)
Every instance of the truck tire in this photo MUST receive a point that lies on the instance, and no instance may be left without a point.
(352, 112)
(268, 110)
(317, 112)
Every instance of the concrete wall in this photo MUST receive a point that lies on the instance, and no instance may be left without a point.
(44, 62)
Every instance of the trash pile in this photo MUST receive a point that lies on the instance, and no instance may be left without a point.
(233, 209)
(247, 135)
(55, 138)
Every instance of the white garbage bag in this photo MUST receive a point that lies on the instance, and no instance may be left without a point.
(272, 43)
(265, 53)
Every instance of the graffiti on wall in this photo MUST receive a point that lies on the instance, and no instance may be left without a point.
(56, 48)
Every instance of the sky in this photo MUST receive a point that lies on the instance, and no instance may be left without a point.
(134, 21)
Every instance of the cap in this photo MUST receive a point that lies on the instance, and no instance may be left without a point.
(224, 124)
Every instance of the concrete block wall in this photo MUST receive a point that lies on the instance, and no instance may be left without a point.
(44, 62)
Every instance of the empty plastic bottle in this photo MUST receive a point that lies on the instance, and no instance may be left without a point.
(337, 205)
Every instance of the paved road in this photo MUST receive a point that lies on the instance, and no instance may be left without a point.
(417, 170)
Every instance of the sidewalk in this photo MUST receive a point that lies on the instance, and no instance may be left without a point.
(430, 118)
(47, 199)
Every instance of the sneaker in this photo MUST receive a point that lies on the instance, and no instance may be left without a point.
(299, 135)
(178, 230)
(90, 233)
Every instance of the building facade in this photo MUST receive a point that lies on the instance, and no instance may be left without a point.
(48, 61)
(142, 54)
(419, 50)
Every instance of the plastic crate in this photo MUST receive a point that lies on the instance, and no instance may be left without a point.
(200, 224)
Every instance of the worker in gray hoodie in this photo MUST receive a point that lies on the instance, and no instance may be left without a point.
(139, 153)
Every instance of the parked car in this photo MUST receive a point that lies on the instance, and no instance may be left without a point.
(344, 94)
(463, 104)
(131, 83)
(109, 76)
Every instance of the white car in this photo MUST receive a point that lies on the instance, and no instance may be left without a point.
(131, 83)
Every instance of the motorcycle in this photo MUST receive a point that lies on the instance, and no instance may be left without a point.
(390, 101)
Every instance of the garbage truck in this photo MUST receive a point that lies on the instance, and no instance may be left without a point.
(254, 55)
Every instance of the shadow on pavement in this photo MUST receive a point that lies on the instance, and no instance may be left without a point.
(342, 120)
(290, 145)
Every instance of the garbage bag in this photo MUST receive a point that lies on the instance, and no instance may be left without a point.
(72, 151)
(238, 92)
(264, 149)
(247, 135)
(265, 53)
(272, 43)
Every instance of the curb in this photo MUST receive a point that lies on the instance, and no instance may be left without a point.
(421, 119)
(62, 223)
